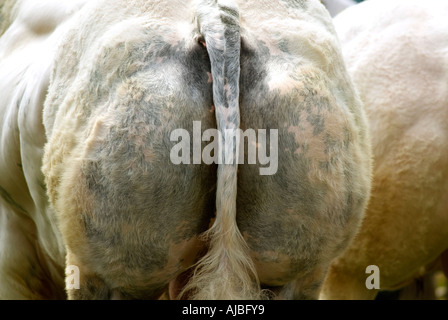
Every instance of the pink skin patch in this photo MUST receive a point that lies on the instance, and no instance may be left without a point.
(176, 285)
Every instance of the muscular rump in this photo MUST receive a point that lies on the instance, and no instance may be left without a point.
(298, 219)
(129, 216)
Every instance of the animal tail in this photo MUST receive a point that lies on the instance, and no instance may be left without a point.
(227, 270)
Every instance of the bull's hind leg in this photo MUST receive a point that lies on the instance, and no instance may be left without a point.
(129, 215)
(304, 212)
(132, 218)
(305, 287)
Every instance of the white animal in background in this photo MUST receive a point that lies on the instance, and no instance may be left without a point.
(397, 54)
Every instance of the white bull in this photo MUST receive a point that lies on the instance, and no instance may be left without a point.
(91, 93)
(397, 54)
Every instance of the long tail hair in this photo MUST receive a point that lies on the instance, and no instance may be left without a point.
(226, 271)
